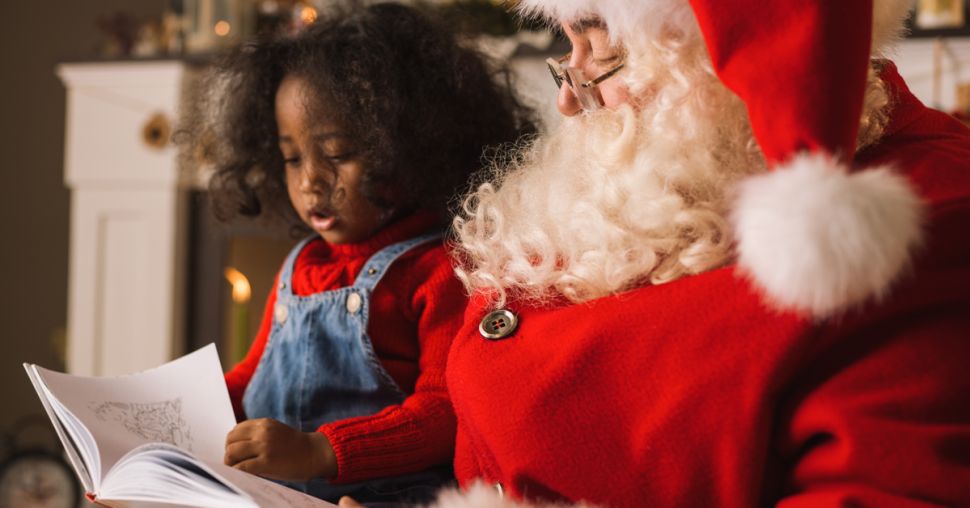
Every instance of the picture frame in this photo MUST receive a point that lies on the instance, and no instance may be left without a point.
(939, 18)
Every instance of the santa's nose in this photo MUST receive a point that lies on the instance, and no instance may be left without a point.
(567, 102)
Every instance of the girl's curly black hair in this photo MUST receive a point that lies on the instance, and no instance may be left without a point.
(420, 107)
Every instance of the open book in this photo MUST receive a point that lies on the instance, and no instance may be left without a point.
(155, 438)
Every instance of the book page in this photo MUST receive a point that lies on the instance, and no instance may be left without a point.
(265, 492)
(184, 403)
(74, 445)
(161, 473)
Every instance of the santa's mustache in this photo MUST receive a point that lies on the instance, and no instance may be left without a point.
(607, 201)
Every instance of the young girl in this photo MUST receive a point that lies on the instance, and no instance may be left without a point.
(368, 122)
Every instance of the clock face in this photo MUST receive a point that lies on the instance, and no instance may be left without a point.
(38, 480)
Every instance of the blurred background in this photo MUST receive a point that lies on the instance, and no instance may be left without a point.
(110, 259)
(34, 211)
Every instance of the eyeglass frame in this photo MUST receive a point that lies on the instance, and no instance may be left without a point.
(584, 94)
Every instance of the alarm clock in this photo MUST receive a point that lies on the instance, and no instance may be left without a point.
(34, 477)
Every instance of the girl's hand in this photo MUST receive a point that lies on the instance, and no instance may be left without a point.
(349, 502)
(275, 450)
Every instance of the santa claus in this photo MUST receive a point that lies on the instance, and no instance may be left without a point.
(737, 274)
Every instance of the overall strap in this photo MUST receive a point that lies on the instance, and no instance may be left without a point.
(375, 268)
(286, 276)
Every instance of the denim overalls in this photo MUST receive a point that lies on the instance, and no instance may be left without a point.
(319, 366)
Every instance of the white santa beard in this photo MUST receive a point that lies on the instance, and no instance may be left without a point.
(611, 200)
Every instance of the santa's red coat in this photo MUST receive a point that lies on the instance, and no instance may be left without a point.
(696, 393)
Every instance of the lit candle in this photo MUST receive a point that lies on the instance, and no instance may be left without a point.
(241, 292)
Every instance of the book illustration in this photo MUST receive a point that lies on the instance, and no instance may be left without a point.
(159, 422)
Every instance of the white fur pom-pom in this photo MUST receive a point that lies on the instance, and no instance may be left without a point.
(819, 240)
(481, 495)
(478, 495)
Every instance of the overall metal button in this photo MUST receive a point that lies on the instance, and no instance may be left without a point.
(281, 312)
(353, 303)
(498, 324)
(371, 271)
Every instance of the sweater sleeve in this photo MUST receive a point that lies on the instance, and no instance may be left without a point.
(419, 432)
(884, 418)
(860, 441)
(237, 379)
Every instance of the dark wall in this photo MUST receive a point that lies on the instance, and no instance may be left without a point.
(34, 209)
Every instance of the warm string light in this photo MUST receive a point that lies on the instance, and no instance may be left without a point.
(222, 28)
(308, 15)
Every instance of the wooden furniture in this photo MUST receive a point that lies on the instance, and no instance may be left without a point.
(127, 216)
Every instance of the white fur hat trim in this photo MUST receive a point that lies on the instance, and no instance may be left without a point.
(627, 19)
(630, 19)
(819, 239)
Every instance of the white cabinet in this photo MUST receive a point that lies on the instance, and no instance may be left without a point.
(128, 220)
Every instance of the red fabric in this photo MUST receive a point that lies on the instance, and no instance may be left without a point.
(415, 312)
(694, 393)
(800, 67)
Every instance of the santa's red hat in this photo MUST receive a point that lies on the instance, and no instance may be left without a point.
(816, 234)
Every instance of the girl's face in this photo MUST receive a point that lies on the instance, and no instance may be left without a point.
(593, 54)
(323, 172)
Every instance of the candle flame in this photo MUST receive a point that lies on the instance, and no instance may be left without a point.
(241, 290)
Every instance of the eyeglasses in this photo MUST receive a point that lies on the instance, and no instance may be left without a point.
(583, 89)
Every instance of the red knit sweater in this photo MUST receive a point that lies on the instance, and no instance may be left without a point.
(415, 312)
